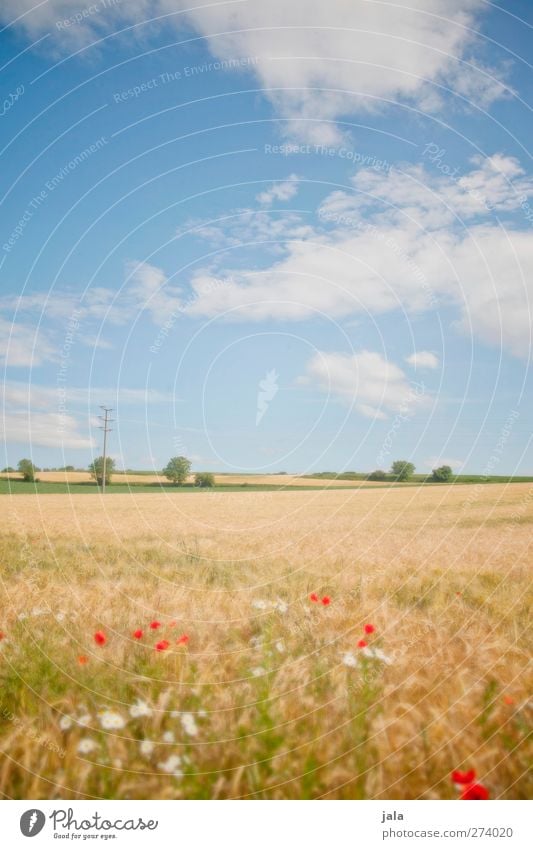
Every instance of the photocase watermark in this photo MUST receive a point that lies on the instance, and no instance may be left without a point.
(173, 316)
(32, 822)
(416, 392)
(40, 198)
(375, 233)
(268, 389)
(183, 74)
(11, 99)
(73, 327)
(30, 733)
(84, 14)
(518, 513)
(494, 459)
(367, 160)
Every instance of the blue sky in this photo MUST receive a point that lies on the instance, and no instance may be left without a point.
(289, 238)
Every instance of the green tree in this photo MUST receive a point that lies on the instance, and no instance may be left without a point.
(378, 475)
(204, 479)
(402, 470)
(442, 474)
(97, 470)
(27, 470)
(177, 470)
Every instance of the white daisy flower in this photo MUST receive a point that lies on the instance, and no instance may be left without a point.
(65, 723)
(281, 606)
(140, 708)
(168, 737)
(86, 745)
(172, 766)
(258, 671)
(202, 713)
(260, 604)
(84, 719)
(349, 659)
(383, 657)
(280, 646)
(255, 642)
(377, 654)
(60, 617)
(189, 725)
(112, 721)
(146, 747)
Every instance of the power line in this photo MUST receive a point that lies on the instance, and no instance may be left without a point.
(105, 427)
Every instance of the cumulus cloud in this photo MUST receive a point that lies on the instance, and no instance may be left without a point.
(374, 385)
(284, 190)
(52, 430)
(316, 62)
(23, 344)
(422, 359)
(395, 242)
(42, 415)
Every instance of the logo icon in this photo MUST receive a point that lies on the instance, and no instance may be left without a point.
(32, 822)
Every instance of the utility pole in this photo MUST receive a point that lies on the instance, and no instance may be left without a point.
(105, 427)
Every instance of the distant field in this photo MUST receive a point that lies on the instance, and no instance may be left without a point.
(256, 691)
(148, 477)
(147, 482)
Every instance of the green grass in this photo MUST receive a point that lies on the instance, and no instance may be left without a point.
(418, 479)
(17, 487)
(46, 488)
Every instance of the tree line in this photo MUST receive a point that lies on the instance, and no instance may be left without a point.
(178, 470)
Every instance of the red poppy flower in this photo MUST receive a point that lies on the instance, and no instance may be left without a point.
(369, 629)
(475, 791)
(155, 625)
(83, 659)
(183, 640)
(2, 635)
(362, 644)
(162, 645)
(138, 634)
(508, 700)
(313, 597)
(326, 600)
(459, 777)
(100, 638)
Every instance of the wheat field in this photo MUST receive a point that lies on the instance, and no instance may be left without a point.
(246, 687)
(221, 480)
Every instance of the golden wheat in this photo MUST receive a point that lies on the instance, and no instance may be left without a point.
(274, 705)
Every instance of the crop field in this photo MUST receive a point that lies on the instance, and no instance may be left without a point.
(270, 645)
(147, 478)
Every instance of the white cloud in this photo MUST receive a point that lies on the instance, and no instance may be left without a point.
(364, 256)
(244, 226)
(23, 345)
(422, 359)
(284, 190)
(317, 62)
(366, 379)
(39, 415)
(46, 429)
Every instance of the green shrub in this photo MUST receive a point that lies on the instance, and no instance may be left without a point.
(378, 475)
(204, 479)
